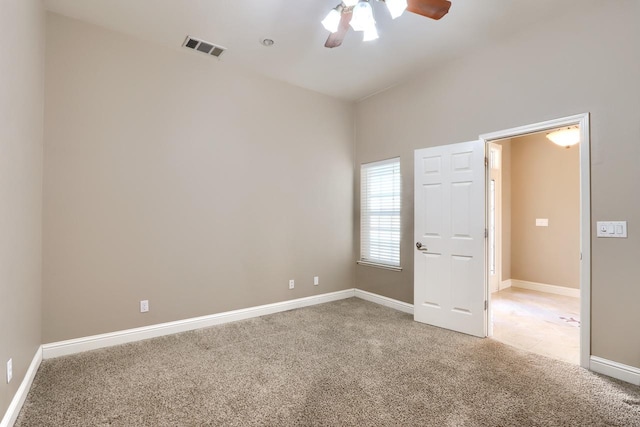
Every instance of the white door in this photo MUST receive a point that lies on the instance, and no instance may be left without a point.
(449, 262)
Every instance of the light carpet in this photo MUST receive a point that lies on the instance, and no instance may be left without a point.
(348, 362)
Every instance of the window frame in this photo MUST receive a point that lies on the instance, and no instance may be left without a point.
(391, 205)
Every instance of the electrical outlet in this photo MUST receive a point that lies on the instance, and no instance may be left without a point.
(144, 306)
(9, 370)
(292, 284)
(316, 280)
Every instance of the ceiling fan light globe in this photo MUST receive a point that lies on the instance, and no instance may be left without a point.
(332, 21)
(370, 33)
(396, 7)
(362, 17)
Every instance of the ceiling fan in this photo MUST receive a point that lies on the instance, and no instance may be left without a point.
(358, 14)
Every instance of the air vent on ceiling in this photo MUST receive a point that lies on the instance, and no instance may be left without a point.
(203, 46)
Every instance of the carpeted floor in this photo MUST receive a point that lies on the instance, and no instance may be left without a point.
(348, 362)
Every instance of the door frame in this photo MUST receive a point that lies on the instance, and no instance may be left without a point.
(581, 120)
(498, 221)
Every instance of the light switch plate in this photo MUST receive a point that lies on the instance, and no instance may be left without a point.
(542, 222)
(612, 229)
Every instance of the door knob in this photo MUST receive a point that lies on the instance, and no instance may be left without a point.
(420, 246)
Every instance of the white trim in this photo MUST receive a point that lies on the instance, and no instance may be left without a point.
(616, 370)
(582, 120)
(585, 240)
(536, 127)
(494, 173)
(386, 301)
(610, 368)
(15, 406)
(62, 348)
(501, 286)
(77, 345)
(505, 284)
(378, 265)
(543, 287)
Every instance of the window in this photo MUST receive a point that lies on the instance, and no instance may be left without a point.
(380, 214)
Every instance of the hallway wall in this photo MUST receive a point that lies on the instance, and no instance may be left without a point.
(545, 183)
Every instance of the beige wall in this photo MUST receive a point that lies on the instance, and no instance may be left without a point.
(545, 184)
(21, 110)
(172, 177)
(585, 61)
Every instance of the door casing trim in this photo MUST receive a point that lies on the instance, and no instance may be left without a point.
(582, 120)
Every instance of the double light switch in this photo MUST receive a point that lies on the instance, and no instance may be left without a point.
(612, 229)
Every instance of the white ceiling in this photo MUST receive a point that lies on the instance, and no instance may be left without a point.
(352, 71)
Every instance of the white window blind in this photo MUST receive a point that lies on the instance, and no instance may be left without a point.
(380, 213)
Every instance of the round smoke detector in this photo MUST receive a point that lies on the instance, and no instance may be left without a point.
(267, 42)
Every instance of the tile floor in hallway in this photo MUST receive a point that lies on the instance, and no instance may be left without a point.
(538, 322)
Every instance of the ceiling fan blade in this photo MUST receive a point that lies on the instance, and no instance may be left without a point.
(335, 39)
(434, 9)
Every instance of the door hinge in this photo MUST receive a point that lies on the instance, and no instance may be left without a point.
(486, 233)
(486, 304)
(486, 162)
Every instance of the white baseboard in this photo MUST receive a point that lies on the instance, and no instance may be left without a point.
(614, 369)
(502, 285)
(505, 284)
(63, 348)
(542, 287)
(77, 345)
(387, 302)
(15, 406)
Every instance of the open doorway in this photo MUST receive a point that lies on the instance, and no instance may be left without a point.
(538, 222)
(534, 245)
